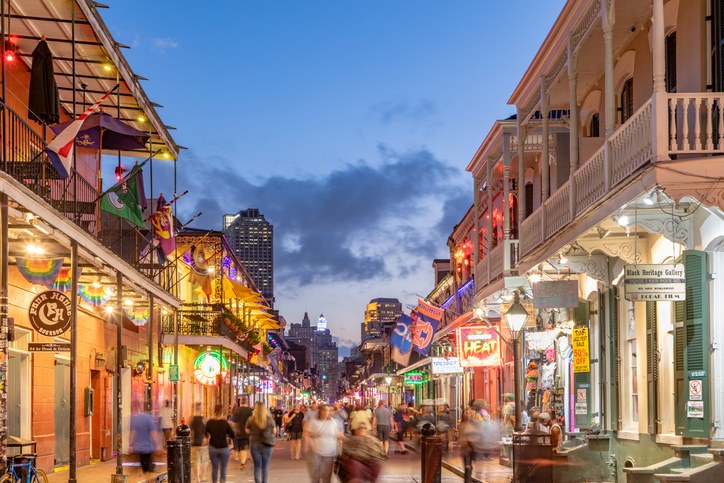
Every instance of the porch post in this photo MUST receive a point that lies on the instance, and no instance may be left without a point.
(489, 245)
(175, 361)
(660, 124)
(3, 324)
(119, 477)
(73, 359)
(522, 135)
(476, 212)
(573, 121)
(149, 373)
(609, 101)
(545, 155)
(506, 202)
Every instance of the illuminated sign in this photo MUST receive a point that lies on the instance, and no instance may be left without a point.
(208, 365)
(415, 378)
(446, 365)
(478, 346)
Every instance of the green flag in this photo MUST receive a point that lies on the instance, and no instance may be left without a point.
(127, 199)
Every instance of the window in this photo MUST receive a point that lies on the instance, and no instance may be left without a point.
(631, 355)
(717, 50)
(671, 62)
(594, 127)
(627, 100)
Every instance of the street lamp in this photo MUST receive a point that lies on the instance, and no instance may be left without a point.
(388, 380)
(516, 317)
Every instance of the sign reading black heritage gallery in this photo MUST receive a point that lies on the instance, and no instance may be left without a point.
(50, 313)
(655, 282)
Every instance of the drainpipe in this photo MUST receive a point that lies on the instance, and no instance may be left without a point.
(73, 358)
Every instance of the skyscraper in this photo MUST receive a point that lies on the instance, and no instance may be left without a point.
(252, 238)
(381, 314)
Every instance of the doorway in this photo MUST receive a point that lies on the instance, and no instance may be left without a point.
(96, 430)
(18, 389)
(62, 411)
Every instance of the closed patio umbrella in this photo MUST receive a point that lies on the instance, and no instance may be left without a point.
(43, 99)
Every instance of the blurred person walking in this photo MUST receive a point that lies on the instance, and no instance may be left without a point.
(382, 421)
(362, 454)
(165, 416)
(220, 434)
(324, 437)
(293, 423)
(260, 427)
(242, 413)
(143, 431)
(199, 451)
(400, 418)
(471, 441)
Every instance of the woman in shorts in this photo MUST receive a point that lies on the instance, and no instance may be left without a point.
(293, 424)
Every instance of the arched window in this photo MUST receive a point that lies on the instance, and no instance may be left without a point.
(627, 100)
(594, 126)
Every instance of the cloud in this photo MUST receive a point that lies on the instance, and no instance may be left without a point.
(162, 44)
(400, 110)
(355, 224)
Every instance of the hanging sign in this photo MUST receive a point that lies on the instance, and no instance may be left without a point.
(50, 313)
(415, 378)
(555, 294)
(478, 346)
(446, 365)
(208, 366)
(655, 282)
(581, 355)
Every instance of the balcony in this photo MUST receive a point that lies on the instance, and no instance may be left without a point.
(500, 261)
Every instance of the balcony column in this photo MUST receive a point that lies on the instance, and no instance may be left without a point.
(506, 202)
(476, 211)
(573, 122)
(545, 155)
(489, 245)
(609, 100)
(659, 126)
(522, 135)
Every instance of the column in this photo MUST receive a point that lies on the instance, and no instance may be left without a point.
(545, 157)
(476, 213)
(522, 135)
(660, 126)
(506, 188)
(659, 47)
(609, 95)
(573, 124)
(118, 476)
(73, 360)
(3, 319)
(489, 244)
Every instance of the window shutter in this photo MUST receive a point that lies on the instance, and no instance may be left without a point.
(679, 344)
(671, 62)
(528, 199)
(717, 51)
(614, 355)
(582, 380)
(652, 366)
(696, 330)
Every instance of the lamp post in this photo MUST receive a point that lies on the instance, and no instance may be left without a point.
(516, 317)
(388, 380)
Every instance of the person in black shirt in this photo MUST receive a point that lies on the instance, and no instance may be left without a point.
(199, 453)
(219, 432)
(293, 422)
(241, 415)
(278, 416)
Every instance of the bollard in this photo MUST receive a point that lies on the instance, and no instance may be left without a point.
(174, 461)
(183, 435)
(430, 455)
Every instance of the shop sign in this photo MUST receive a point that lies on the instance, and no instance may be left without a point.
(48, 346)
(173, 373)
(655, 282)
(555, 294)
(695, 409)
(415, 378)
(446, 365)
(50, 313)
(478, 346)
(208, 366)
(581, 355)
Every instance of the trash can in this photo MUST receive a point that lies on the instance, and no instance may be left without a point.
(532, 458)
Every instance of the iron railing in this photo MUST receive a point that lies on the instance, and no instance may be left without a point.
(202, 320)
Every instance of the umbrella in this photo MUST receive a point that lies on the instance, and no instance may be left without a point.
(43, 99)
(103, 131)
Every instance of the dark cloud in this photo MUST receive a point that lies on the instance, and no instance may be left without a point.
(401, 110)
(353, 224)
(454, 209)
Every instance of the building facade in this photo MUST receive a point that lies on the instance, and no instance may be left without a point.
(322, 354)
(380, 315)
(252, 238)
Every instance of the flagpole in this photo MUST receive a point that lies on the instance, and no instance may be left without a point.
(135, 168)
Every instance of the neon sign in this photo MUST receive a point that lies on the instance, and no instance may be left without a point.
(478, 346)
(208, 365)
(415, 378)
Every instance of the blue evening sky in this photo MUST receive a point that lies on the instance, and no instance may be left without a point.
(349, 124)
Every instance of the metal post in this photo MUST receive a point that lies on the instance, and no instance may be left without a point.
(175, 361)
(149, 374)
(3, 323)
(119, 476)
(516, 380)
(73, 358)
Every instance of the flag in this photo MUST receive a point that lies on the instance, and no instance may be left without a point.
(127, 199)
(423, 328)
(60, 149)
(162, 226)
(401, 341)
(40, 271)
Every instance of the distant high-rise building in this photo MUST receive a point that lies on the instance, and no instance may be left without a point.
(322, 352)
(252, 238)
(381, 314)
(321, 322)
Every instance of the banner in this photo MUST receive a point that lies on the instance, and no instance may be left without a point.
(581, 356)
(425, 320)
(478, 346)
(401, 341)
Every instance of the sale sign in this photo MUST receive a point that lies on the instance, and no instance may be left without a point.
(478, 346)
(581, 355)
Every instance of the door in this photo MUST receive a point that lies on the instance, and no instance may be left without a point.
(96, 428)
(14, 382)
(62, 410)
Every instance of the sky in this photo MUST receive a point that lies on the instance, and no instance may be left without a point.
(349, 124)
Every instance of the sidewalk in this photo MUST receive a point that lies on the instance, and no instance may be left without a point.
(483, 471)
(101, 471)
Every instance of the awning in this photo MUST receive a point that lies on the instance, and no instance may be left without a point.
(420, 363)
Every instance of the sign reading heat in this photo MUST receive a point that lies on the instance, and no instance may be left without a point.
(478, 346)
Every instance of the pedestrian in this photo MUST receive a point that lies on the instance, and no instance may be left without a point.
(362, 454)
(199, 451)
(278, 420)
(242, 415)
(143, 432)
(324, 436)
(556, 432)
(294, 427)
(470, 441)
(400, 419)
(508, 414)
(260, 427)
(165, 414)
(382, 420)
(220, 434)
